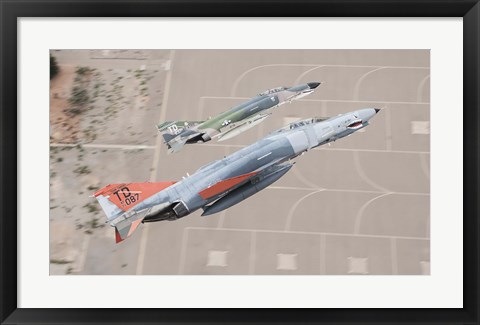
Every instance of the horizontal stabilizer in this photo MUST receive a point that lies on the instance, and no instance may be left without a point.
(126, 223)
(176, 146)
(126, 227)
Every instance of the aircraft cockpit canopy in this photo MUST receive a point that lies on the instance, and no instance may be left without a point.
(272, 91)
(312, 120)
(301, 123)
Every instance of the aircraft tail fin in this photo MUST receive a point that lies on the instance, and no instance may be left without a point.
(109, 208)
(175, 127)
(118, 202)
(176, 133)
(115, 199)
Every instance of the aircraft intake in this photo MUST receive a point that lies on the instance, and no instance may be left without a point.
(169, 211)
(206, 137)
(245, 191)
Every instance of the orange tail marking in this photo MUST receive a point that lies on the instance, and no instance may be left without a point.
(224, 185)
(127, 195)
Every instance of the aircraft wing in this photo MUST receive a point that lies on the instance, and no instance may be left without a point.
(231, 183)
(246, 189)
(224, 185)
(233, 130)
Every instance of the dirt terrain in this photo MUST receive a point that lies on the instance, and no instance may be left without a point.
(95, 101)
(63, 126)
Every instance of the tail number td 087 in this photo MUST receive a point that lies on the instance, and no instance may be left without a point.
(126, 197)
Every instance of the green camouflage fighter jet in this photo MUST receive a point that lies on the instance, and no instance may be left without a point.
(234, 121)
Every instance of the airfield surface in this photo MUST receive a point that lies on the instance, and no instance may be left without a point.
(358, 206)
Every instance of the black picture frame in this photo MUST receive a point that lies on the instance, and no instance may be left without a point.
(11, 10)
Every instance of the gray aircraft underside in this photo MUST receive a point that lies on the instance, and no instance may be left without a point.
(226, 182)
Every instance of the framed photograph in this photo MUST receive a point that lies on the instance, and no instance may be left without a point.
(309, 161)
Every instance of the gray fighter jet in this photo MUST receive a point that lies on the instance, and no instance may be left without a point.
(234, 121)
(226, 182)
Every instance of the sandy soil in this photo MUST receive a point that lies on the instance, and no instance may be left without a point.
(64, 127)
(124, 98)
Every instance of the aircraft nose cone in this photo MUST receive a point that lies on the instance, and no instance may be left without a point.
(366, 113)
(313, 85)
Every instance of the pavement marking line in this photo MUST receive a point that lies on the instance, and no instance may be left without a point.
(201, 105)
(183, 250)
(329, 100)
(118, 59)
(239, 78)
(325, 149)
(363, 101)
(393, 247)
(356, 89)
(420, 87)
(207, 144)
(308, 233)
(303, 74)
(304, 180)
(221, 218)
(427, 228)
(83, 254)
(163, 113)
(323, 254)
(142, 249)
(288, 222)
(388, 128)
(253, 248)
(167, 65)
(342, 190)
(358, 218)
(424, 166)
(292, 188)
(156, 158)
(364, 176)
(373, 150)
(223, 97)
(237, 81)
(102, 146)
